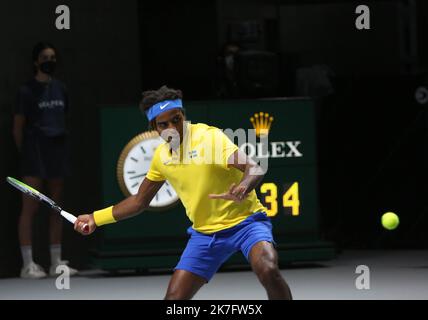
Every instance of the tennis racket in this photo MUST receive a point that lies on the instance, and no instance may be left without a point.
(21, 186)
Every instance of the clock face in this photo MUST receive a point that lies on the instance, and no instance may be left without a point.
(133, 165)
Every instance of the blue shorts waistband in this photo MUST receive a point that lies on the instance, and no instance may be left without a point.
(256, 216)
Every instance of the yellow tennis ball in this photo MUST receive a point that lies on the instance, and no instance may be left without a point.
(390, 220)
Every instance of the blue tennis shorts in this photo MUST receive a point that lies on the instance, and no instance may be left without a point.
(205, 253)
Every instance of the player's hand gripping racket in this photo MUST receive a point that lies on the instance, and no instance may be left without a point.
(21, 186)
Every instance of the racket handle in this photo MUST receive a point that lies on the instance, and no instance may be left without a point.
(68, 216)
(73, 219)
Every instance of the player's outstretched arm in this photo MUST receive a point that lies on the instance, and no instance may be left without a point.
(129, 207)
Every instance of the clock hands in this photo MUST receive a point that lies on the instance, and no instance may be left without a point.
(135, 177)
(138, 176)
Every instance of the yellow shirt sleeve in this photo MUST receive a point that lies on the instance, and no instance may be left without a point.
(154, 173)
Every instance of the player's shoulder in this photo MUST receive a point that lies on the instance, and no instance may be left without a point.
(202, 128)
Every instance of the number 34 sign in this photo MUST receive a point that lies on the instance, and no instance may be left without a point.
(288, 198)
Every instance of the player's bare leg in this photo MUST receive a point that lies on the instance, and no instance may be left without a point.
(264, 262)
(183, 285)
(55, 189)
(29, 209)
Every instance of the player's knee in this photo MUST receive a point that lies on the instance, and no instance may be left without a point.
(268, 273)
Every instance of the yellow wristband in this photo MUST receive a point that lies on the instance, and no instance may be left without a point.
(104, 216)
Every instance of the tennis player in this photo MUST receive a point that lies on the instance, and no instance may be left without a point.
(215, 182)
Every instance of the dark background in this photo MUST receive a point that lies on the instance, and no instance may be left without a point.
(372, 132)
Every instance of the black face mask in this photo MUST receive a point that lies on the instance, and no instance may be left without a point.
(48, 67)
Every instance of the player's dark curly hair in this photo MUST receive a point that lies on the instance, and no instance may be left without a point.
(152, 97)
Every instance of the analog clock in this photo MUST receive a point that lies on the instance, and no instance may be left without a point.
(133, 165)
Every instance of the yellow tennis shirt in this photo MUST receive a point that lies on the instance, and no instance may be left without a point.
(198, 169)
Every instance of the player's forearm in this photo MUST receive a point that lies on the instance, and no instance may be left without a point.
(129, 207)
(253, 175)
